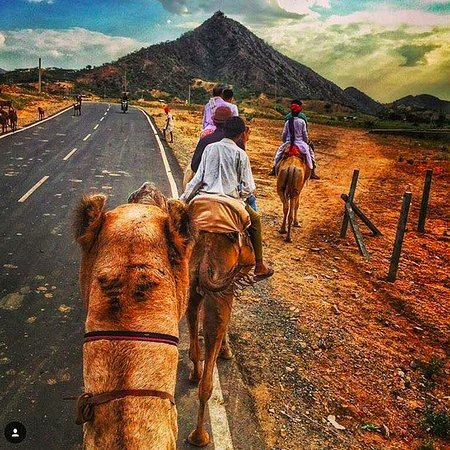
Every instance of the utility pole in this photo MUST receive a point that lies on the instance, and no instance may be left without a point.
(125, 82)
(189, 95)
(104, 91)
(40, 77)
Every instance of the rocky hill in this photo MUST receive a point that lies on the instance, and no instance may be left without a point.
(2, 70)
(364, 102)
(221, 49)
(422, 102)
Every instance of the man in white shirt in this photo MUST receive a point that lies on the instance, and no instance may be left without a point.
(225, 170)
(228, 95)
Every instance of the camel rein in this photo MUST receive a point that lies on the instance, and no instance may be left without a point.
(86, 402)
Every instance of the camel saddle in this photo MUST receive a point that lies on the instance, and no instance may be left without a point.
(219, 214)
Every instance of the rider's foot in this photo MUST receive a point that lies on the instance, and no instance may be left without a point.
(262, 271)
(272, 173)
(314, 176)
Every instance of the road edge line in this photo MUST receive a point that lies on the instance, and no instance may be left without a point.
(35, 123)
(217, 413)
(173, 185)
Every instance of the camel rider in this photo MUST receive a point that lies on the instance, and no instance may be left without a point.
(214, 102)
(296, 128)
(225, 170)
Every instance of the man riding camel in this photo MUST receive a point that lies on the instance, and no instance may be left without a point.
(295, 132)
(225, 170)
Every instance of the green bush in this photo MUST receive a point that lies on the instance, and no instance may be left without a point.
(438, 423)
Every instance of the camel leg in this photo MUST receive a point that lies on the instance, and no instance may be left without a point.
(195, 301)
(296, 205)
(290, 219)
(225, 350)
(217, 317)
(285, 201)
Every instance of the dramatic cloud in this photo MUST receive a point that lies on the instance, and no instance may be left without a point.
(48, 2)
(415, 54)
(72, 48)
(385, 62)
(175, 6)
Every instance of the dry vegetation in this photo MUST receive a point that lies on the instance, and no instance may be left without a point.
(27, 103)
(328, 335)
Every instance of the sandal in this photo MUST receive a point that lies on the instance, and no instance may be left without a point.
(264, 276)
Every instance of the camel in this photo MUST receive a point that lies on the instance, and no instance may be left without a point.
(41, 112)
(134, 279)
(13, 119)
(219, 261)
(293, 173)
(4, 119)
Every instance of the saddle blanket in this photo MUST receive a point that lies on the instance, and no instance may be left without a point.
(218, 214)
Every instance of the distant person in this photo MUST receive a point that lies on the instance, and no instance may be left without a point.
(214, 102)
(225, 170)
(168, 127)
(124, 97)
(295, 132)
(78, 99)
(301, 114)
(228, 95)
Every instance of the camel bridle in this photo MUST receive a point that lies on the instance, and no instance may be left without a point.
(86, 402)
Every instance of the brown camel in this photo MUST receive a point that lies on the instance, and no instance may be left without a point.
(218, 261)
(4, 119)
(13, 119)
(41, 112)
(134, 278)
(293, 173)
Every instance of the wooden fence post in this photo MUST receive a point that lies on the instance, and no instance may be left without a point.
(424, 203)
(401, 227)
(351, 194)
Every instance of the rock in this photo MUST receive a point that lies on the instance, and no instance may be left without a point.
(336, 309)
(332, 420)
(355, 295)
(321, 344)
(315, 249)
(385, 431)
(271, 411)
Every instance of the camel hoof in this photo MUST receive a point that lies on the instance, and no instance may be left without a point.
(296, 225)
(226, 353)
(199, 439)
(282, 231)
(289, 240)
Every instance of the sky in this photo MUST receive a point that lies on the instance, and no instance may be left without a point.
(387, 49)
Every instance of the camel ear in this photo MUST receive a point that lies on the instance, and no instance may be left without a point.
(88, 219)
(180, 231)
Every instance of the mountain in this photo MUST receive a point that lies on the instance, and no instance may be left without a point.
(422, 102)
(221, 50)
(2, 70)
(364, 102)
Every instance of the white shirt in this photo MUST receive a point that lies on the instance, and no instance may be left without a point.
(224, 170)
(233, 108)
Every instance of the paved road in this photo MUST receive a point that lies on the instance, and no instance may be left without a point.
(41, 314)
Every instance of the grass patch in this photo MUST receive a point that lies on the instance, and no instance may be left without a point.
(433, 368)
(437, 423)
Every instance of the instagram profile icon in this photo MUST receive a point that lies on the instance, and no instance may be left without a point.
(15, 432)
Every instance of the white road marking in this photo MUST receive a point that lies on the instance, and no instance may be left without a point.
(101, 120)
(69, 154)
(36, 186)
(217, 412)
(87, 137)
(173, 186)
(36, 123)
(96, 126)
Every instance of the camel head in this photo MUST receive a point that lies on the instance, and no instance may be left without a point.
(133, 257)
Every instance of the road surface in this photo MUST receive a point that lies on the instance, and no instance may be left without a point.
(44, 170)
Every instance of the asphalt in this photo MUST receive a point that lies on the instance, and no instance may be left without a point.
(41, 312)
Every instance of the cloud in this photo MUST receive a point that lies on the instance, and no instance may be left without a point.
(47, 2)
(72, 48)
(175, 6)
(385, 62)
(415, 54)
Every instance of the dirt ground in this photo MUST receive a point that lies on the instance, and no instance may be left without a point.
(328, 335)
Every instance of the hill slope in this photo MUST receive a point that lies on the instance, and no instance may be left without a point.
(221, 49)
(424, 102)
(365, 103)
